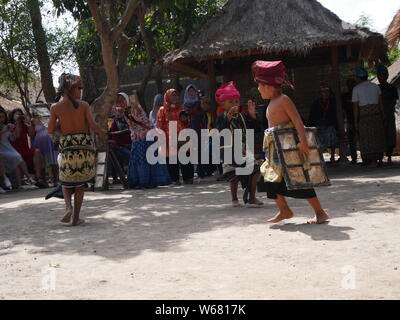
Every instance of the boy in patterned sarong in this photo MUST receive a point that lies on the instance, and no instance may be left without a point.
(281, 113)
(77, 165)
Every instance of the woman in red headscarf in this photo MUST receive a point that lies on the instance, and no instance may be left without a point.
(172, 110)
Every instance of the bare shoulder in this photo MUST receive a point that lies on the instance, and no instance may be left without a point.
(54, 107)
(84, 104)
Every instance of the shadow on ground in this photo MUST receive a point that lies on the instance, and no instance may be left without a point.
(161, 219)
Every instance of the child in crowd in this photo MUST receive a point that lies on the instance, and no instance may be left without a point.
(233, 118)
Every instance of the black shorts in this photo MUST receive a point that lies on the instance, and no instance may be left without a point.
(273, 189)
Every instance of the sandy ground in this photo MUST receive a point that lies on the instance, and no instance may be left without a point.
(186, 243)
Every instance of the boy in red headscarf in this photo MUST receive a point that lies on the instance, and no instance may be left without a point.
(171, 111)
(233, 118)
(281, 113)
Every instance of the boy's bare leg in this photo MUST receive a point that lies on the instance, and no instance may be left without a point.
(67, 192)
(284, 211)
(321, 215)
(253, 190)
(78, 199)
(234, 188)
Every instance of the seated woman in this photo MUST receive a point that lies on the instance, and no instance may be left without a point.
(33, 157)
(43, 142)
(120, 141)
(141, 174)
(323, 117)
(14, 166)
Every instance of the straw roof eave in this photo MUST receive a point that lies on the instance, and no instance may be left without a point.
(224, 37)
(393, 32)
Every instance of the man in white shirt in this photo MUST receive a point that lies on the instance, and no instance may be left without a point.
(369, 118)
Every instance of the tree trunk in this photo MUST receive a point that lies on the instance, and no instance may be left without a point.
(145, 80)
(41, 50)
(159, 80)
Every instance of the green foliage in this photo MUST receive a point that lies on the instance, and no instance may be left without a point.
(365, 21)
(394, 55)
(18, 59)
(169, 23)
(17, 56)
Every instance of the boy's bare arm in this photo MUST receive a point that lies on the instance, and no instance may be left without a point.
(52, 121)
(294, 116)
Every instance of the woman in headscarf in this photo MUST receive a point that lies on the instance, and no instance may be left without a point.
(171, 111)
(141, 174)
(120, 135)
(157, 104)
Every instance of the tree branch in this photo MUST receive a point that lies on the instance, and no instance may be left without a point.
(98, 19)
(120, 27)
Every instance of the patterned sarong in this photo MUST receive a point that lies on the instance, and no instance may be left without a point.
(371, 133)
(77, 160)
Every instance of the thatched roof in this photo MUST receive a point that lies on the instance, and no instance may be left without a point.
(393, 32)
(246, 27)
(9, 105)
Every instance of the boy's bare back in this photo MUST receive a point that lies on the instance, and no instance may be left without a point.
(72, 120)
(277, 110)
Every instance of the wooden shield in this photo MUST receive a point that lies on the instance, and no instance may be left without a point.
(300, 173)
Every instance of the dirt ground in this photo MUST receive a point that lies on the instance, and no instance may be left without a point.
(187, 243)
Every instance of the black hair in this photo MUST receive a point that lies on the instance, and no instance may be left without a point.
(2, 110)
(12, 113)
(65, 84)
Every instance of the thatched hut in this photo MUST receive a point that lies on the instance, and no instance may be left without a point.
(313, 42)
(393, 32)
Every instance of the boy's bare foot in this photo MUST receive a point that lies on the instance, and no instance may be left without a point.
(236, 204)
(67, 216)
(282, 216)
(77, 223)
(320, 218)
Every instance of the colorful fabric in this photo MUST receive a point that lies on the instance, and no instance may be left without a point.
(166, 114)
(371, 133)
(140, 126)
(227, 91)
(12, 159)
(21, 144)
(44, 143)
(77, 165)
(327, 137)
(141, 174)
(270, 72)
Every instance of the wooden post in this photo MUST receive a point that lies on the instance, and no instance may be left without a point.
(212, 81)
(339, 108)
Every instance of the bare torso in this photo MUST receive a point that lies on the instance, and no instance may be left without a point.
(276, 111)
(71, 120)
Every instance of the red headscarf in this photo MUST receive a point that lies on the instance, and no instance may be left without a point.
(271, 73)
(227, 91)
(167, 98)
